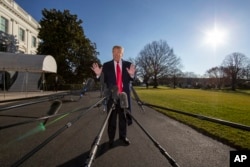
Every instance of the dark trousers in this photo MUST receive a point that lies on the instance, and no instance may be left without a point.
(112, 122)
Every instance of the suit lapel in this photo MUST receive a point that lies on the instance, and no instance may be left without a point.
(112, 68)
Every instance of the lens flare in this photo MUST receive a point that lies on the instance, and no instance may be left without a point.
(33, 131)
(40, 128)
(216, 36)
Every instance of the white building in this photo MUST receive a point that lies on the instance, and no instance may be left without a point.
(15, 21)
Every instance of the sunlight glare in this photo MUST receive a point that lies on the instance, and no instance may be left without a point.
(215, 37)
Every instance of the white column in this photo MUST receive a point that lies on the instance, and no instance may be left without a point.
(27, 41)
(11, 31)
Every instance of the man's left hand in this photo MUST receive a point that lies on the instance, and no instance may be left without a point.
(131, 70)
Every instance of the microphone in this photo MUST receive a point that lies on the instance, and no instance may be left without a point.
(111, 93)
(123, 100)
(88, 86)
(54, 108)
(124, 105)
(114, 93)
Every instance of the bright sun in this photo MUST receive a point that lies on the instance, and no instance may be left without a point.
(215, 37)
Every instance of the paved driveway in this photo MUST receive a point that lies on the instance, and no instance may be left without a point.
(186, 146)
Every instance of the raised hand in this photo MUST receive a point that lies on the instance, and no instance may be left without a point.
(95, 67)
(131, 70)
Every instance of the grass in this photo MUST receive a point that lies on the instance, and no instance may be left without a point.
(226, 105)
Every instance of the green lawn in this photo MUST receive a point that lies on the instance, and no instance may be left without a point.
(229, 106)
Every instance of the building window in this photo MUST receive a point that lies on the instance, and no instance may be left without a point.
(21, 34)
(33, 41)
(4, 24)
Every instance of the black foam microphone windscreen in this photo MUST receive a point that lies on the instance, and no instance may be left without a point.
(123, 100)
(114, 92)
(54, 108)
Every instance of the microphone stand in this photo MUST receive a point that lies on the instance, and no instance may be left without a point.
(124, 105)
(157, 144)
(97, 140)
(113, 94)
(66, 126)
(54, 108)
(89, 84)
(138, 100)
(87, 87)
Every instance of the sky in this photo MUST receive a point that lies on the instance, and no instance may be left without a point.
(201, 32)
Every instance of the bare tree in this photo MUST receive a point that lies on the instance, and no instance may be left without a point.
(190, 75)
(157, 60)
(234, 65)
(176, 73)
(216, 75)
(246, 71)
(144, 69)
(8, 43)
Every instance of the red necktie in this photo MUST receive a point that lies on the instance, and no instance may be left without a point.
(118, 78)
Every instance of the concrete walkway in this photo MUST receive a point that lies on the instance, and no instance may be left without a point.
(20, 95)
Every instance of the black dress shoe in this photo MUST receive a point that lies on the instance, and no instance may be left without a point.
(125, 141)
